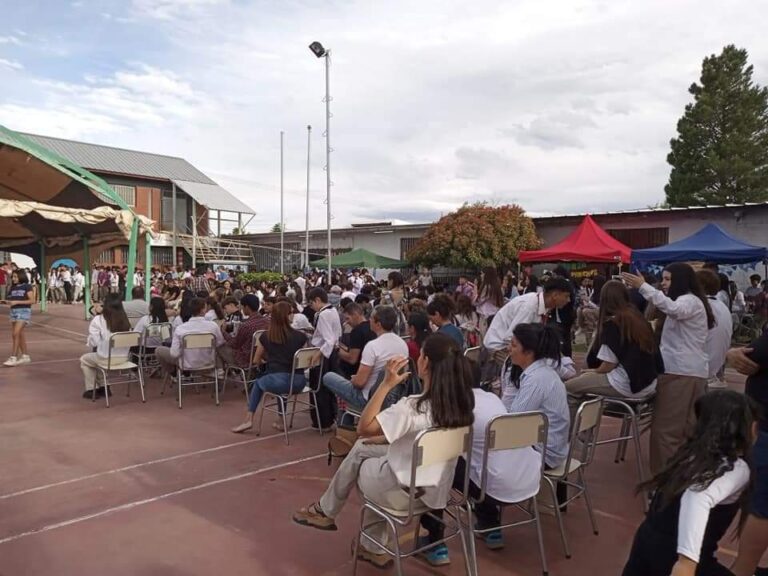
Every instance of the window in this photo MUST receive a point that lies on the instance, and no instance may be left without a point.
(162, 256)
(406, 245)
(106, 257)
(639, 238)
(127, 193)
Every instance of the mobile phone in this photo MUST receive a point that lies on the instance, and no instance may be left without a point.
(343, 347)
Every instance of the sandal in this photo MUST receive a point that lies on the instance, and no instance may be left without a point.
(313, 516)
(278, 426)
(378, 560)
(242, 427)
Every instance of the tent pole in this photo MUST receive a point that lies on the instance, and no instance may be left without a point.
(194, 236)
(43, 279)
(132, 249)
(147, 266)
(88, 279)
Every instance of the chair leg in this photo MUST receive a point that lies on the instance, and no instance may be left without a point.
(317, 413)
(106, 387)
(283, 404)
(622, 432)
(625, 443)
(466, 535)
(398, 555)
(471, 540)
(141, 386)
(356, 548)
(216, 384)
(178, 381)
(588, 501)
(293, 410)
(535, 507)
(558, 515)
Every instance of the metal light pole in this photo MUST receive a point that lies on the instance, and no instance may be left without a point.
(282, 216)
(306, 239)
(320, 52)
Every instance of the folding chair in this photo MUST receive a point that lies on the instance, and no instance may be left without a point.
(304, 360)
(122, 365)
(585, 429)
(199, 341)
(245, 373)
(473, 354)
(160, 331)
(508, 432)
(433, 446)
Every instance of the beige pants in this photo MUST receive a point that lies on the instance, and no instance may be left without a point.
(91, 362)
(164, 358)
(367, 467)
(587, 383)
(673, 417)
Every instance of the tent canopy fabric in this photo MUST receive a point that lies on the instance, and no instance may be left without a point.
(588, 243)
(710, 244)
(360, 258)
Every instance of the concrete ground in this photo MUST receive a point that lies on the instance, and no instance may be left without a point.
(148, 489)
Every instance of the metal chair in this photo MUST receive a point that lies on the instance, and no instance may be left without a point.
(433, 446)
(158, 332)
(129, 371)
(245, 373)
(303, 360)
(508, 432)
(585, 429)
(199, 341)
(473, 354)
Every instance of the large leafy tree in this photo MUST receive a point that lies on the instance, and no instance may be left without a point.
(720, 155)
(476, 235)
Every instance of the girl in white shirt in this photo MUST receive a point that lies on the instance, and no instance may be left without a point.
(698, 494)
(684, 329)
(380, 462)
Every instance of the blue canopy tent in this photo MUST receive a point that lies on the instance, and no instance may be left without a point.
(710, 244)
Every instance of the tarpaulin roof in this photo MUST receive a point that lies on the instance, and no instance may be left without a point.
(360, 258)
(710, 244)
(588, 243)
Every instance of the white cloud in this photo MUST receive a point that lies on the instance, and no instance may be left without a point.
(10, 40)
(170, 9)
(12, 64)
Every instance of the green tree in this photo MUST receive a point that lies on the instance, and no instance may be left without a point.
(276, 227)
(476, 235)
(720, 155)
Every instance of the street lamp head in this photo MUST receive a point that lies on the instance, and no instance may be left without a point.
(317, 49)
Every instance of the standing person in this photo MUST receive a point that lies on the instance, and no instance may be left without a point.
(66, 280)
(466, 287)
(490, 297)
(4, 277)
(698, 493)
(754, 289)
(738, 303)
(327, 333)
(688, 318)
(111, 320)
(396, 291)
(719, 336)
(20, 296)
(564, 317)
(78, 282)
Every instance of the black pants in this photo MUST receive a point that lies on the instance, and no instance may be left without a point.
(326, 400)
(68, 291)
(487, 512)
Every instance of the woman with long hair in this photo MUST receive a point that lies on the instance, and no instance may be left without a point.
(490, 297)
(698, 493)
(277, 346)
(111, 320)
(379, 463)
(20, 297)
(157, 315)
(684, 328)
(468, 320)
(531, 284)
(418, 330)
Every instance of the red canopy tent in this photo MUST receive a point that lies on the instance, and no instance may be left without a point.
(588, 243)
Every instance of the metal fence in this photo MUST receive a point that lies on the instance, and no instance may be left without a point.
(268, 258)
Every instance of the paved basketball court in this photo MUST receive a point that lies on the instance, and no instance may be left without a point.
(148, 489)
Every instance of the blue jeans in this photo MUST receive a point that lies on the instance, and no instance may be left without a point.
(344, 389)
(276, 383)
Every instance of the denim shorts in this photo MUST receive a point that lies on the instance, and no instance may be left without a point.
(759, 504)
(21, 314)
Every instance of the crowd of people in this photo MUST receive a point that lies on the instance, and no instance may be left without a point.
(667, 337)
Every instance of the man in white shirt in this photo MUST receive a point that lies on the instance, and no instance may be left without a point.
(327, 333)
(374, 358)
(78, 281)
(193, 359)
(719, 336)
(528, 308)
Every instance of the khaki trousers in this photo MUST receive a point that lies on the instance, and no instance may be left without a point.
(166, 361)
(673, 417)
(587, 383)
(366, 466)
(89, 364)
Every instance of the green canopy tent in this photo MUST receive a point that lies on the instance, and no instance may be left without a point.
(53, 207)
(360, 258)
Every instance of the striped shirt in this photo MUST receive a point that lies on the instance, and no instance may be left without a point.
(542, 390)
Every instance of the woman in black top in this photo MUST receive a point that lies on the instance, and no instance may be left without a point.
(21, 296)
(278, 345)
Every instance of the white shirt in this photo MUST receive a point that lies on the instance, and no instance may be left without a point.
(300, 322)
(719, 336)
(684, 337)
(327, 331)
(142, 325)
(725, 298)
(377, 352)
(79, 279)
(522, 310)
(135, 309)
(66, 276)
(513, 475)
(618, 377)
(400, 424)
(98, 337)
(196, 358)
(348, 294)
(211, 315)
(695, 506)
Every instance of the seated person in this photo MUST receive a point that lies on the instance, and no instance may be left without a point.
(157, 315)
(359, 336)
(418, 330)
(379, 463)
(440, 312)
(374, 358)
(277, 345)
(136, 307)
(236, 350)
(231, 307)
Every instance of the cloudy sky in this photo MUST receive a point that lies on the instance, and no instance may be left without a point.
(561, 106)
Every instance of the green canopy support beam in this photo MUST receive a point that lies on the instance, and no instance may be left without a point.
(88, 279)
(43, 279)
(147, 266)
(132, 250)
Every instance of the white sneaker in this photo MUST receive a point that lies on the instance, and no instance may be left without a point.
(12, 361)
(25, 359)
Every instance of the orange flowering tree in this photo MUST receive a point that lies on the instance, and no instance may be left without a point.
(476, 235)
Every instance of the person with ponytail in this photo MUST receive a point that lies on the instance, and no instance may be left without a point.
(687, 320)
(535, 351)
(698, 493)
(379, 463)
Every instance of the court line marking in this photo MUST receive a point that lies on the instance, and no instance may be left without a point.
(148, 463)
(38, 362)
(59, 329)
(137, 503)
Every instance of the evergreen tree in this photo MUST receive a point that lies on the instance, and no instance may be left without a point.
(720, 155)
